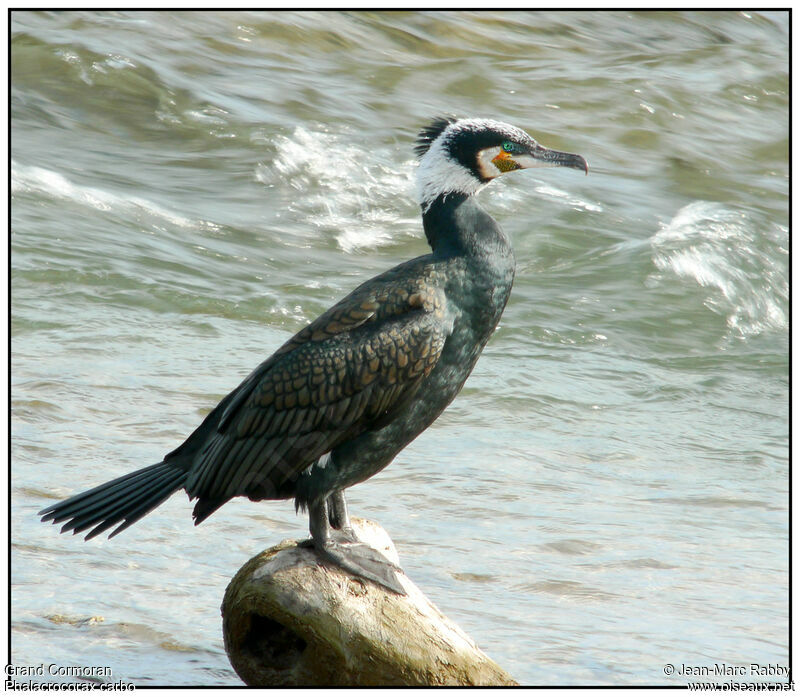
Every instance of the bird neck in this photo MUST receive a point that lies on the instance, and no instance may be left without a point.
(456, 225)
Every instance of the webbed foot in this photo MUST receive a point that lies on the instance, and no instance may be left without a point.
(362, 561)
(343, 548)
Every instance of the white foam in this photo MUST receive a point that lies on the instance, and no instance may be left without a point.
(53, 184)
(352, 191)
(555, 193)
(726, 250)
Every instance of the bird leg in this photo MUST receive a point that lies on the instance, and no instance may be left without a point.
(337, 513)
(342, 548)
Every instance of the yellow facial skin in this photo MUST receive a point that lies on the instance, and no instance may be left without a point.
(493, 162)
(505, 162)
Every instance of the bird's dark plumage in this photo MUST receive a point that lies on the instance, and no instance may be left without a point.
(341, 398)
(348, 371)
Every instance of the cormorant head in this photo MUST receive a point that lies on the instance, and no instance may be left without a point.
(463, 155)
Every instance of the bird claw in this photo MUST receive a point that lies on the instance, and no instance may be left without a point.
(343, 549)
(335, 540)
(346, 535)
(364, 562)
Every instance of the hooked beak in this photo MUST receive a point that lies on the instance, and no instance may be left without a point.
(539, 156)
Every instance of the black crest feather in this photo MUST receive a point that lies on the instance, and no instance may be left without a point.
(431, 132)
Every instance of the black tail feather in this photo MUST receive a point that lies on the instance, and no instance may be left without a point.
(122, 505)
(125, 500)
(100, 499)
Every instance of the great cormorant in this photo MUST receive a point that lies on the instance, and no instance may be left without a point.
(337, 402)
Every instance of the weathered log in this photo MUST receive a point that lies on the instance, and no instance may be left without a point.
(291, 619)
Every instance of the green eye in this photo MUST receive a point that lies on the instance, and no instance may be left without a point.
(508, 146)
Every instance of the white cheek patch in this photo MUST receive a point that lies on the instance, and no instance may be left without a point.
(486, 167)
(438, 175)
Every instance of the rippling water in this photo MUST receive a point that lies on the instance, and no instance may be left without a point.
(609, 492)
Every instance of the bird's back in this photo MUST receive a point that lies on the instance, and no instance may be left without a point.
(348, 372)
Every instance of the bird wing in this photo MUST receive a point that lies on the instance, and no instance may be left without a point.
(346, 372)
